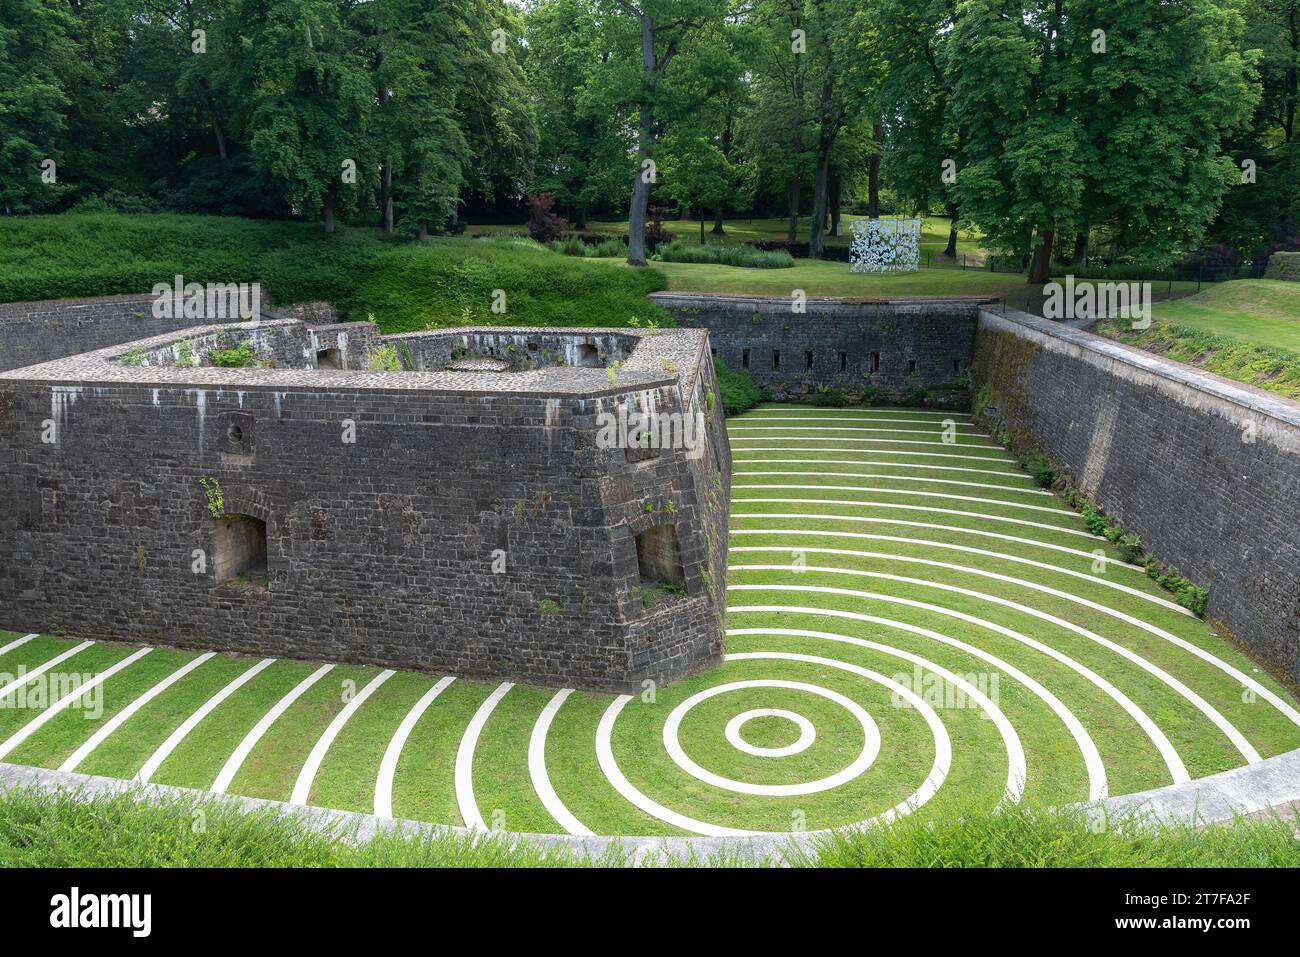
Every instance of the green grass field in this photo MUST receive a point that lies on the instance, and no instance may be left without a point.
(914, 629)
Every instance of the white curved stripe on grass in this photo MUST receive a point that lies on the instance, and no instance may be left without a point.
(942, 742)
(857, 503)
(122, 716)
(902, 478)
(885, 464)
(189, 724)
(465, 758)
(637, 798)
(855, 768)
(814, 410)
(388, 766)
(18, 643)
(807, 733)
(302, 787)
(1215, 716)
(38, 722)
(1063, 512)
(1177, 770)
(537, 768)
(1012, 470)
(36, 672)
(1097, 556)
(860, 418)
(1097, 784)
(861, 428)
(843, 438)
(643, 802)
(1003, 556)
(258, 731)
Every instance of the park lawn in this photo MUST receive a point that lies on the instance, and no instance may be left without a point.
(748, 230)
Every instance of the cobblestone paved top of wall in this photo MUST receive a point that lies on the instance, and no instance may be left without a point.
(659, 357)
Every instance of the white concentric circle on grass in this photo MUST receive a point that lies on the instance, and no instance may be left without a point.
(807, 733)
(866, 757)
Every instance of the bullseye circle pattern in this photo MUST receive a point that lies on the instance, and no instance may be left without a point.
(807, 733)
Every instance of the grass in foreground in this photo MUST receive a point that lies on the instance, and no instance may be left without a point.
(42, 830)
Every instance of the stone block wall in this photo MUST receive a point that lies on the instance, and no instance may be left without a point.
(460, 522)
(1283, 266)
(1205, 470)
(894, 347)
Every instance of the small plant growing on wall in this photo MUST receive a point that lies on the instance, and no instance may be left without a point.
(385, 359)
(216, 499)
(548, 606)
(234, 357)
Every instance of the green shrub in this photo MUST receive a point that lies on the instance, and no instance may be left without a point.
(444, 282)
(1041, 468)
(826, 397)
(1130, 548)
(569, 246)
(234, 357)
(738, 390)
(917, 394)
(1191, 597)
(609, 249)
(1094, 519)
(744, 256)
(385, 359)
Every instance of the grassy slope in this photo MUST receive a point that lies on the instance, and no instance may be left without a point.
(1248, 330)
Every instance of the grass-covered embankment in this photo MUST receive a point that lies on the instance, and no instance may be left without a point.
(42, 830)
(405, 285)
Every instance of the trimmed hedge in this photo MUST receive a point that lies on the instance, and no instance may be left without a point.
(407, 286)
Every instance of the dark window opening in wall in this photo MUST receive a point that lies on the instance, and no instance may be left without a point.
(744, 358)
(329, 359)
(239, 551)
(588, 356)
(713, 350)
(776, 359)
(911, 367)
(844, 361)
(807, 362)
(659, 558)
(956, 366)
(874, 364)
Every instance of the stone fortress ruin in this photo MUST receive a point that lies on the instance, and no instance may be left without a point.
(494, 502)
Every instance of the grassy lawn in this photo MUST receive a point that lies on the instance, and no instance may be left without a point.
(744, 230)
(864, 567)
(1247, 330)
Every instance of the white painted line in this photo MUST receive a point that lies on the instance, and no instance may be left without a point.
(125, 714)
(861, 428)
(1212, 713)
(856, 418)
(1001, 556)
(189, 724)
(388, 766)
(1175, 764)
(465, 758)
(805, 448)
(994, 486)
(302, 788)
(812, 411)
(840, 438)
(860, 503)
(18, 643)
(38, 722)
(258, 731)
(1054, 510)
(888, 465)
(35, 673)
(1097, 784)
(537, 768)
(1098, 556)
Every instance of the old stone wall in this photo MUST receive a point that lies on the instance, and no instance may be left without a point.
(1205, 470)
(894, 348)
(449, 521)
(1283, 266)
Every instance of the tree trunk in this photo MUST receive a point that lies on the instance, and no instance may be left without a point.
(645, 133)
(717, 220)
(701, 225)
(386, 196)
(329, 210)
(423, 231)
(1081, 249)
(792, 186)
(792, 207)
(835, 204)
(582, 216)
(951, 250)
(873, 171)
(828, 129)
(216, 120)
(817, 233)
(1040, 268)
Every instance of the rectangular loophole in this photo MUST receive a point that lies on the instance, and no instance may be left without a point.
(874, 364)
(911, 367)
(776, 360)
(844, 361)
(744, 358)
(239, 551)
(807, 362)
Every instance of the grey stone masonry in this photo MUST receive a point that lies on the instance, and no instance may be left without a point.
(892, 346)
(1206, 471)
(481, 523)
